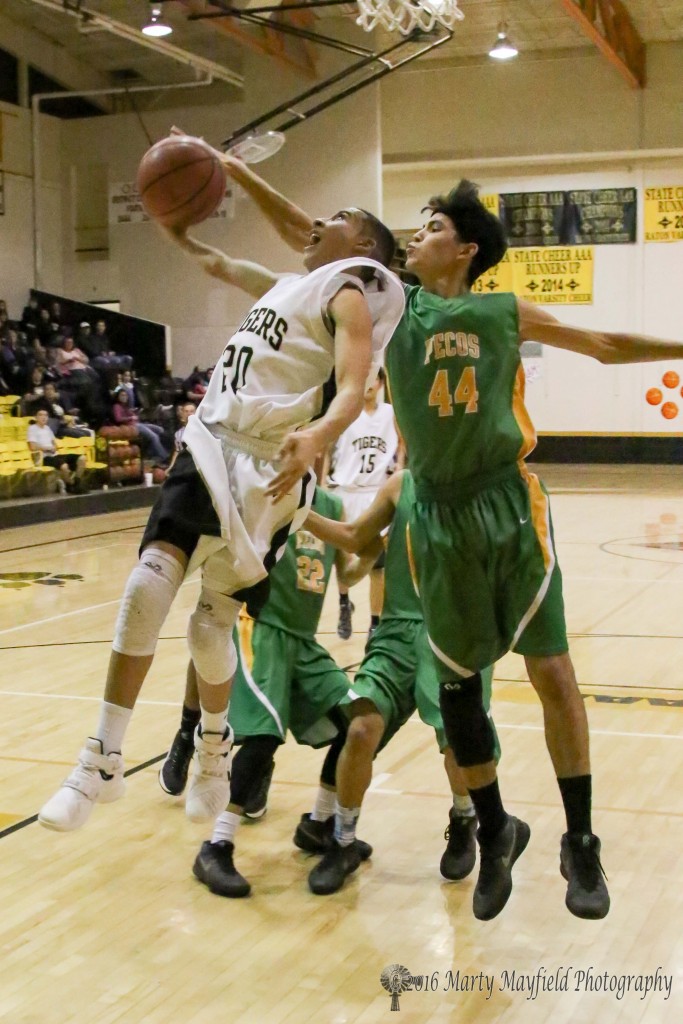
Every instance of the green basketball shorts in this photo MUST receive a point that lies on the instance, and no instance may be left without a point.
(485, 566)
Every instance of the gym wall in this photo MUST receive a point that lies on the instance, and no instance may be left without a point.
(492, 116)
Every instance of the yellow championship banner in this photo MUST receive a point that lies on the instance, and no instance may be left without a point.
(664, 214)
(491, 201)
(561, 275)
(497, 279)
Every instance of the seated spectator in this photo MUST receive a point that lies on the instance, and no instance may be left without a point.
(98, 347)
(42, 441)
(61, 423)
(197, 383)
(183, 413)
(45, 329)
(71, 360)
(31, 399)
(149, 433)
(13, 361)
(56, 313)
(31, 315)
(128, 385)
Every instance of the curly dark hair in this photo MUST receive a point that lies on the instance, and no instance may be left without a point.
(474, 223)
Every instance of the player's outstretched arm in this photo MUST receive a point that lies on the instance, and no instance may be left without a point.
(353, 353)
(607, 347)
(357, 536)
(351, 569)
(292, 223)
(250, 277)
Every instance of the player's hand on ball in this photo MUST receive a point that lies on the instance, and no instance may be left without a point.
(296, 455)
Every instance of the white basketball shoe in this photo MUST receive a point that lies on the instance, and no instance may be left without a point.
(209, 790)
(97, 778)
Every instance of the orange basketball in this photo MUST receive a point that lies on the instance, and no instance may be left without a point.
(181, 181)
(669, 410)
(653, 396)
(671, 379)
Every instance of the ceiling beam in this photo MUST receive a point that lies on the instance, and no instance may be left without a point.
(609, 25)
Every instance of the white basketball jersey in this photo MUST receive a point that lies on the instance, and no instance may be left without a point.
(366, 452)
(270, 377)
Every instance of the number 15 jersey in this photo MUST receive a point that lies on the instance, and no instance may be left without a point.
(365, 453)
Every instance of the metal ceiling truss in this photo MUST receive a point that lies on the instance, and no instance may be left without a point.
(610, 26)
(371, 66)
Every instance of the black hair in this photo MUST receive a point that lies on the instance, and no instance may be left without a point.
(385, 243)
(474, 223)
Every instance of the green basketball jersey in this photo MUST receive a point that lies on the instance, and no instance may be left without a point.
(299, 580)
(400, 599)
(457, 385)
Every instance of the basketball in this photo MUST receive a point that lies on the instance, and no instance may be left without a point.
(670, 379)
(653, 396)
(180, 181)
(669, 410)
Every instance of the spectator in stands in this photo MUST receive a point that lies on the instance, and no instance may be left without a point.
(98, 348)
(56, 313)
(128, 385)
(13, 361)
(183, 413)
(61, 423)
(197, 383)
(30, 318)
(45, 329)
(30, 400)
(42, 441)
(149, 433)
(71, 360)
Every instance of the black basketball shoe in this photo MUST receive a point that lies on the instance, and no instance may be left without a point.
(174, 770)
(214, 867)
(460, 854)
(345, 626)
(494, 884)
(317, 837)
(329, 875)
(587, 894)
(257, 802)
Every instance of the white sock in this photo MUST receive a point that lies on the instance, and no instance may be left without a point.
(345, 819)
(325, 803)
(225, 827)
(463, 806)
(214, 721)
(112, 726)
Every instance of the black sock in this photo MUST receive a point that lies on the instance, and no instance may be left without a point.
(577, 797)
(374, 621)
(189, 721)
(490, 811)
(343, 600)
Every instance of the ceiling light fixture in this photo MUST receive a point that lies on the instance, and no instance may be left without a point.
(503, 49)
(156, 26)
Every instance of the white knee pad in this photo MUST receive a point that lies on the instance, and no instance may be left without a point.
(146, 601)
(209, 636)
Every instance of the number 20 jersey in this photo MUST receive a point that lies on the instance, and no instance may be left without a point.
(270, 377)
(457, 385)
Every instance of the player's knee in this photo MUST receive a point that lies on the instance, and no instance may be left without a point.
(365, 732)
(209, 637)
(149, 594)
(553, 679)
(466, 724)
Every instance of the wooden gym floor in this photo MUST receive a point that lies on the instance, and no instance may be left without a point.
(107, 924)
